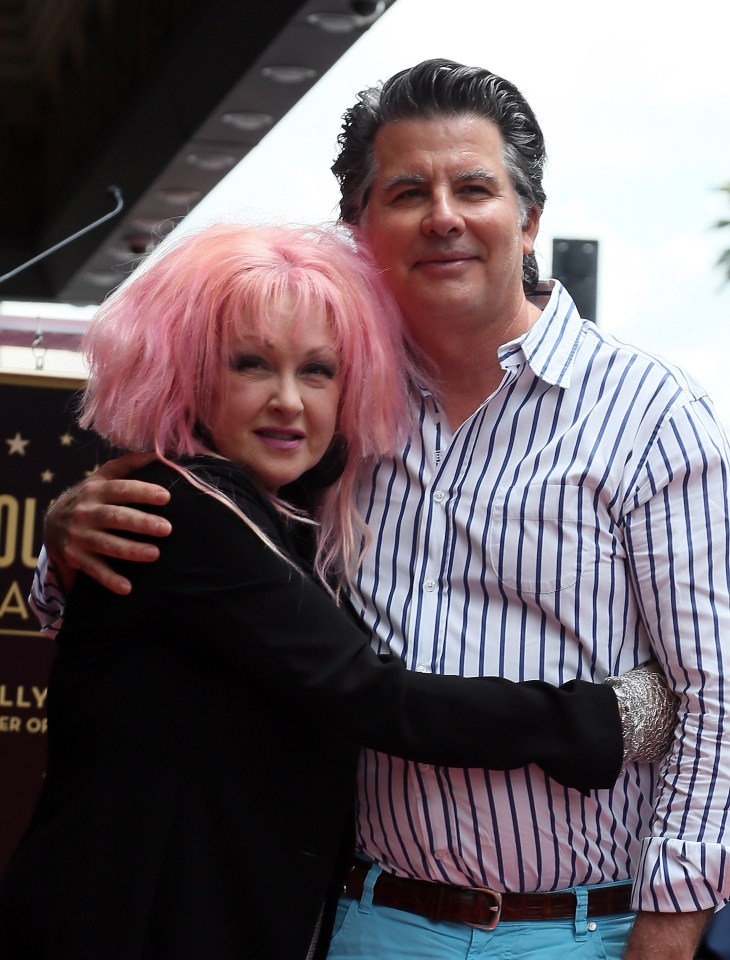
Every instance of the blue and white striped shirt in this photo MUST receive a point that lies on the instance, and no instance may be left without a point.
(575, 525)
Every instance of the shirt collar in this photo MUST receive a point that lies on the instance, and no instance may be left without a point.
(549, 347)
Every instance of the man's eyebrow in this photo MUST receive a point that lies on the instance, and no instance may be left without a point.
(478, 173)
(403, 179)
(416, 179)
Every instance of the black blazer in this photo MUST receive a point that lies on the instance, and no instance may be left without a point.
(203, 734)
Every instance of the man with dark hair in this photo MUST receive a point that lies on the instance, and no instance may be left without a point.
(434, 89)
(561, 510)
(563, 488)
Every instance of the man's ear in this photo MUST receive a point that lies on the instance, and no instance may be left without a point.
(530, 228)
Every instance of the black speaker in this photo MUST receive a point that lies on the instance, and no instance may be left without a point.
(575, 264)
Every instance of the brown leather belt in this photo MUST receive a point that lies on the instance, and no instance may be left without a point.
(482, 907)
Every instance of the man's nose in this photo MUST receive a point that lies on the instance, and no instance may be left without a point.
(443, 217)
(287, 396)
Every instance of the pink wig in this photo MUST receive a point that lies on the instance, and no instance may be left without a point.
(159, 345)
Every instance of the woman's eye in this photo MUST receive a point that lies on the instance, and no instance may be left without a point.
(321, 369)
(247, 362)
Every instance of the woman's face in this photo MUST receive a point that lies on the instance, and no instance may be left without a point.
(281, 408)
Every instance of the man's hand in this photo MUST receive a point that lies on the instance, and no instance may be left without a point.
(666, 936)
(78, 525)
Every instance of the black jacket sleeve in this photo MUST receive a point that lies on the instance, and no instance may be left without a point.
(220, 585)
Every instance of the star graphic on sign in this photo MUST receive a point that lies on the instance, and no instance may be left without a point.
(17, 444)
(66, 440)
(47, 476)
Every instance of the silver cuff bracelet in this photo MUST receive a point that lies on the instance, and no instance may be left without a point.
(648, 713)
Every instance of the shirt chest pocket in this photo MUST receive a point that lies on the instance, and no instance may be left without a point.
(542, 537)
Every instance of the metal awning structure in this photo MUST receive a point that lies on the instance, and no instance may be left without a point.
(160, 99)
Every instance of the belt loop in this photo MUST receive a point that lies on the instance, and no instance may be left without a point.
(581, 913)
(368, 888)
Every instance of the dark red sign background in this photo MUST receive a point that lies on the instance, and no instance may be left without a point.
(42, 452)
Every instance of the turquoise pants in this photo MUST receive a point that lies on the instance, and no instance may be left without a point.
(365, 931)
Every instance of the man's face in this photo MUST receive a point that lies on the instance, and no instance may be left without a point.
(444, 221)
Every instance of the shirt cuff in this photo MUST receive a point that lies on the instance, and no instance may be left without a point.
(47, 600)
(680, 876)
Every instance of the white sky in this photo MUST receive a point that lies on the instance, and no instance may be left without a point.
(634, 101)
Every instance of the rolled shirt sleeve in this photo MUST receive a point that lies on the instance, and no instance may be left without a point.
(677, 533)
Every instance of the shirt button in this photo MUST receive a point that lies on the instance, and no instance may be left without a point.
(424, 766)
(592, 926)
(440, 854)
(429, 586)
(422, 668)
(439, 496)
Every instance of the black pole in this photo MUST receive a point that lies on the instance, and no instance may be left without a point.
(575, 264)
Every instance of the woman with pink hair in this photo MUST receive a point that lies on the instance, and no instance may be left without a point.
(204, 730)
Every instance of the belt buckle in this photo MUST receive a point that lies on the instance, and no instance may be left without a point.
(496, 909)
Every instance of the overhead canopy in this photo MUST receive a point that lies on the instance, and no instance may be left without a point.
(160, 99)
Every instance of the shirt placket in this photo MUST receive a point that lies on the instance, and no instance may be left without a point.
(427, 634)
(427, 627)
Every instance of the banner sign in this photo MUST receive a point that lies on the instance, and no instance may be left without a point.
(42, 451)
